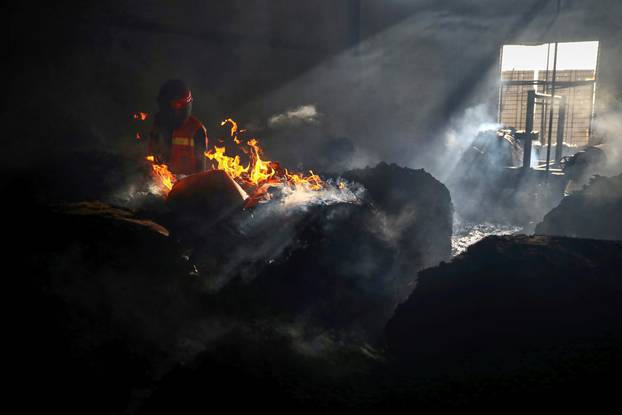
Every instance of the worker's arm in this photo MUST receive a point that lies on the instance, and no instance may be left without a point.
(156, 145)
(200, 146)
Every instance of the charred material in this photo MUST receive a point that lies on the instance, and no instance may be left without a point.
(105, 296)
(336, 264)
(592, 212)
(511, 303)
(200, 201)
(417, 211)
(581, 166)
(333, 269)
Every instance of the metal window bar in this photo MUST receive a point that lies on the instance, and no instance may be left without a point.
(531, 103)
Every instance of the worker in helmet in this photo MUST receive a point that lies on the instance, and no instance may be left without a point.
(177, 138)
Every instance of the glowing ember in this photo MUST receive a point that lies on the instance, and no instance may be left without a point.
(258, 174)
(142, 116)
(162, 176)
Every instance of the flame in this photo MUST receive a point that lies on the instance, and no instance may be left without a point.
(234, 129)
(141, 116)
(256, 177)
(162, 175)
(312, 182)
(262, 169)
(229, 164)
(259, 174)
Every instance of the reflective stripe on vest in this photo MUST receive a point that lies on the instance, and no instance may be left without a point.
(183, 158)
(183, 141)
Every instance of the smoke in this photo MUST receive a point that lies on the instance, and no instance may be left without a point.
(460, 136)
(274, 226)
(608, 126)
(335, 191)
(476, 164)
(304, 114)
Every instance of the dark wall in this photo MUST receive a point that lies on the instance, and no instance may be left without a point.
(78, 72)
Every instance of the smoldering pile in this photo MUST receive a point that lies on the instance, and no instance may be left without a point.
(593, 212)
(118, 289)
(341, 257)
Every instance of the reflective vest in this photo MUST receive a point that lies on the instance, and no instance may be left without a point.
(183, 159)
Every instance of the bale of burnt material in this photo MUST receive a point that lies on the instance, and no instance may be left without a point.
(593, 212)
(511, 303)
(328, 267)
(342, 265)
(104, 297)
(417, 212)
(199, 202)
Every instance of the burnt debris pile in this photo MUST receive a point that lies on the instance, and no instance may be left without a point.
(127, 298)
(340, 258)
(285, 300)
(593, 212)
(416, 208)
(102, 300)
(512, 303)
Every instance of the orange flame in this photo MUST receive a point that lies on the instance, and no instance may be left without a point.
(312, 182)
(229, 164)
(262, 170)
(258, 173)
(234, 129)
(142, 116)
(162, 175)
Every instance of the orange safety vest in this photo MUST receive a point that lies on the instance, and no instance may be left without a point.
(183, 158)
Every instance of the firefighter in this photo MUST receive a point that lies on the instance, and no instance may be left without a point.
(177, 138)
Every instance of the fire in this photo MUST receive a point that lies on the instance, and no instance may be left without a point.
(142, 116)
(234, 129)
(256, 176)
(312, 181)
(262, 169)
(162, 175)
(259, 173)
(229, 164)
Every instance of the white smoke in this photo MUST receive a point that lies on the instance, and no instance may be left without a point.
(305, 114)
(339, 191)
(460, 135)
(608, 126)
(278, 218)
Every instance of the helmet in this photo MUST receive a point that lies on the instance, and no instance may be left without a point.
(175, 102)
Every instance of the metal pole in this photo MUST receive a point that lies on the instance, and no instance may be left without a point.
(589, 131)
(550, 132)
(561, 121)
(545, 90)
(500, 107)
(531, 100)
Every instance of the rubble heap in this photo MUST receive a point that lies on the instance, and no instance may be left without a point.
(511, 302)
(593, 212)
